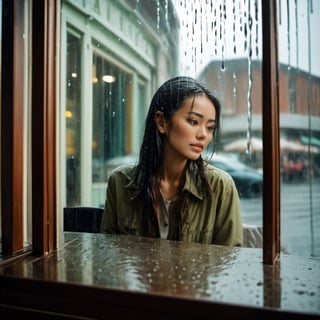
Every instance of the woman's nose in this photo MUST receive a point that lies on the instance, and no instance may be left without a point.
(201, 134)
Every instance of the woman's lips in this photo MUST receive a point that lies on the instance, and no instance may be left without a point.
(197, 147)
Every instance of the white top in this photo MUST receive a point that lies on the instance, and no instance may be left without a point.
(164, 217)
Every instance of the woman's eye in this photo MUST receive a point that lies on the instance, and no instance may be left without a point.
(193, 122)
(211, 129)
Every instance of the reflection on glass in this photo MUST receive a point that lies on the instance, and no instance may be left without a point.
(112, 92)
(135, 45)
(73, 119)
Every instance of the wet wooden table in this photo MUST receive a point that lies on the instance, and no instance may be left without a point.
(94, 275)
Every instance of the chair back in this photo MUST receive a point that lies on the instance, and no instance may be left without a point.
(82, 219)
(252, 236)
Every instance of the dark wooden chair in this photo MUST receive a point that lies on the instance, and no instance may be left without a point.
(82, 219)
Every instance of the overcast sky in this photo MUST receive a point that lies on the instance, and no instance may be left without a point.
(204, 39)
(304, 40)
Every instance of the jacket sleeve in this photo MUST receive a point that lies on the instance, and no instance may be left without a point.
(109, 222)
(228, 227)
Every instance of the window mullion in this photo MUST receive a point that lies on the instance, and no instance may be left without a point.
(44, 59)
(270, 123)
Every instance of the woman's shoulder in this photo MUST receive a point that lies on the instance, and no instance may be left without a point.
(215, 173)
(220, 179)
(125, 170)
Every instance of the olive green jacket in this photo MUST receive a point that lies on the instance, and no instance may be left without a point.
(205, 219)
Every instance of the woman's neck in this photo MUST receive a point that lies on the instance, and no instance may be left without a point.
(170, 180)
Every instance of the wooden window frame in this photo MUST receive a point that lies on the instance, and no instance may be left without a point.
(44, 187)
(12, 127)
(44, 89)
(270, 134)
(45, 31)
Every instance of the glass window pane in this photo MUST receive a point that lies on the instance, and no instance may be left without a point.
(27, 125)
(112, 92)
(299, 86)
(126, 50)
(73, 119)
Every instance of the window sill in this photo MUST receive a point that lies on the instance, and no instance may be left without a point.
(94, 275)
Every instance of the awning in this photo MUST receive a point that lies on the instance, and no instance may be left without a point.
(240, 145)
(239, 123)
(313, 141)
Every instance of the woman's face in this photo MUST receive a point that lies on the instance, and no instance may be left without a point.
(191, 128)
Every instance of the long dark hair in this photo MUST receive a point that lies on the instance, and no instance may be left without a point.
(167, 99)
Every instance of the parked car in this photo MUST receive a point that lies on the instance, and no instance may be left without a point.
(249, 181)
(294, 167)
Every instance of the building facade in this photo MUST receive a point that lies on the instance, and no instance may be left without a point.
(113, 56)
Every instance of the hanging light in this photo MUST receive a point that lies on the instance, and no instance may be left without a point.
(109, 78)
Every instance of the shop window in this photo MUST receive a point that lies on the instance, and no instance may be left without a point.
(111, 103)
(73, 118)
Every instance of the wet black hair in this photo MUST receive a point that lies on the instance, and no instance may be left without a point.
(168, 99)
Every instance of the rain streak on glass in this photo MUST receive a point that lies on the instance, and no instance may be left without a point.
(233, 33)
(249, 112)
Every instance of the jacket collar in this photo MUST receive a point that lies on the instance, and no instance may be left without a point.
(192, 188)
(189, 185)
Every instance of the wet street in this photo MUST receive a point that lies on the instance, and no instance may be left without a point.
(300, 217)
